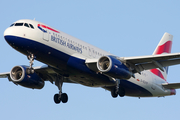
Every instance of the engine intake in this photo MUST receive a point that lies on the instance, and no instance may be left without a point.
(111, 66)
(19, 76)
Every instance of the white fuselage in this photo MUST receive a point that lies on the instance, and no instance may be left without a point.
(73, 47)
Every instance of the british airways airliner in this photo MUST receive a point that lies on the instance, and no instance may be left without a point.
(70, 60)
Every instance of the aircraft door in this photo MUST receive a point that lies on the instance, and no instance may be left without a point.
(46, 35)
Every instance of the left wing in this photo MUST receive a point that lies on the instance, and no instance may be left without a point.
(142, 63)
(152, 61)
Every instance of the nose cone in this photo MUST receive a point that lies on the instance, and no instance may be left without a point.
(11, 34)
(7, 33)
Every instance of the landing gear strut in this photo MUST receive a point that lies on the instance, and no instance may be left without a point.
(118, 90)
(31, 58)
(61, 96)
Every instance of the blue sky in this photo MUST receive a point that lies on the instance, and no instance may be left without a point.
(125, 28)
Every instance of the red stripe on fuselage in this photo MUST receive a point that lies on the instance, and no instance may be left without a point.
(48, 28)
(165, 48)
(158, 73)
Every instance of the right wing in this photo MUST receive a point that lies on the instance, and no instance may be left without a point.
(46, 72)
(4, 75)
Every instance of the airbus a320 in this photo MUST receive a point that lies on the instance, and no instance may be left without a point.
(70, 60)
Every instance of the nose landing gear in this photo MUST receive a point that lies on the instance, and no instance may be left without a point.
(31, 58)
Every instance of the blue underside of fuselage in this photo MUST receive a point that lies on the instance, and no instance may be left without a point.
(65, 62)
(132, 89)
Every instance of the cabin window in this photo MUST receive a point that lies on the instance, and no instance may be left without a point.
(19, 24)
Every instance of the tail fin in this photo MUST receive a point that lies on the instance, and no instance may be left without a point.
(163, 47)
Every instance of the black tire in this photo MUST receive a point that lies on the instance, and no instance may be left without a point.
(32, 71)
(114, 93)
(121, 92)
(64, 97)
(56, 99)
(28, 71)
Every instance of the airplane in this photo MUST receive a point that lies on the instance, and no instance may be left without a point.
(71, 60)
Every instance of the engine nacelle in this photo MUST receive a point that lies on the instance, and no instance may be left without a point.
(111, 66)
(19, 76)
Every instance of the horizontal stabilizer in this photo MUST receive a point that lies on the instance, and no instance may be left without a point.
(171, 85)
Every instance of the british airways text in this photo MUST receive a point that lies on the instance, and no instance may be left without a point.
(66, 44)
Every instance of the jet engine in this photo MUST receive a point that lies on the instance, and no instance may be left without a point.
(113, 67)
(18, 75)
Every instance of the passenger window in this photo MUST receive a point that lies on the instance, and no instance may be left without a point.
(19, 24)
(26, 25)
(31, 26)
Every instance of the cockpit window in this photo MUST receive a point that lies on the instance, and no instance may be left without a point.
(12, 25)
(25, 24)
(19, 24)
(31, 26)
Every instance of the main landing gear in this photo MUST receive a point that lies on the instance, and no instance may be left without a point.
(118, 91)
(61, 96)
(58, 82)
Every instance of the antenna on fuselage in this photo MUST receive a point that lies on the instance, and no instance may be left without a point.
(34, 18)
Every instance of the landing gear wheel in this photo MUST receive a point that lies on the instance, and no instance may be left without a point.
(31, 59)
(114, 93)
(61, 96)
(29, 70)
(121, 92)
(57, 100)
(64, 97)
